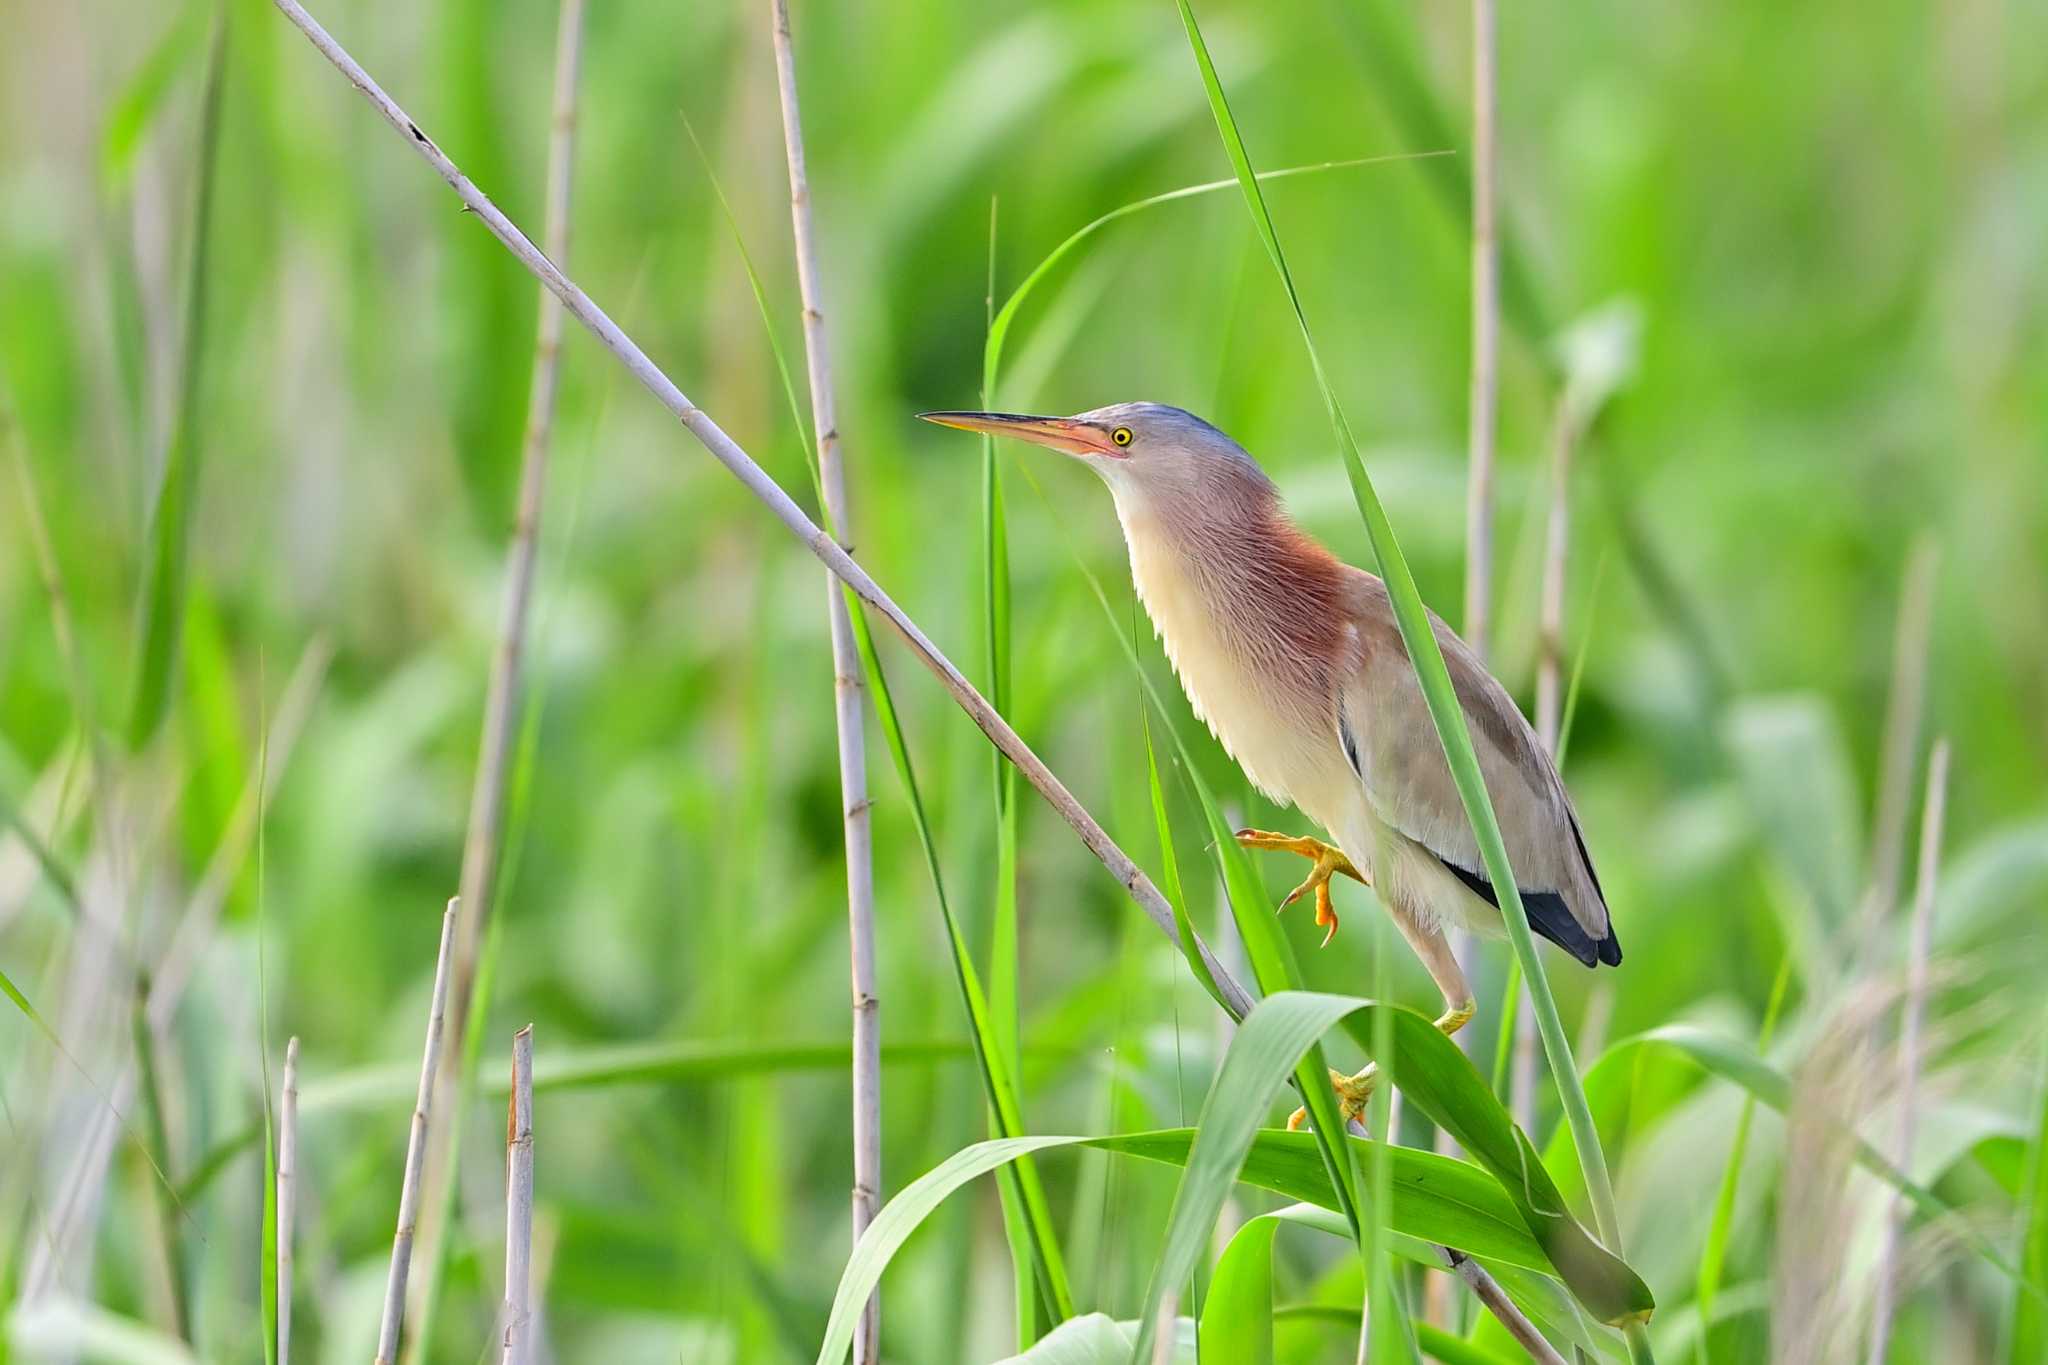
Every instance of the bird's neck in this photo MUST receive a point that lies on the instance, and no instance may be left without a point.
(1251, 610)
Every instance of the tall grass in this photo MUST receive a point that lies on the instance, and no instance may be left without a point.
(673, 815)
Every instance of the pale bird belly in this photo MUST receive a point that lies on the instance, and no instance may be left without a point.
(1290, 756)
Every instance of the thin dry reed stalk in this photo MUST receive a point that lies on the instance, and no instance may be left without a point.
(848, 694)
(1912, 1017)
(415, 1154)
(287, 1195)
(518, 1311)
(736, 461)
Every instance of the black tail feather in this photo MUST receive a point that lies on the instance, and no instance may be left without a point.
(1549, 916)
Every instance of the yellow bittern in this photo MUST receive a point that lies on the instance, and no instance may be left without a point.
(1294, 661)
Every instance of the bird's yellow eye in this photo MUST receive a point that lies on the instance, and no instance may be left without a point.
(1122, 436)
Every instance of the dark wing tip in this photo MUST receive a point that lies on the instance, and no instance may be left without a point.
(1549, 916)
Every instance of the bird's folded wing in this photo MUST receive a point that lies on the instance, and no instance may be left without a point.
(1392, 744)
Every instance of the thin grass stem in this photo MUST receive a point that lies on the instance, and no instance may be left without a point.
(415, 1154)
(856, 809)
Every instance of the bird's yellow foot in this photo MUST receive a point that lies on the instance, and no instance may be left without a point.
(1353, 1092)
(1329, 861)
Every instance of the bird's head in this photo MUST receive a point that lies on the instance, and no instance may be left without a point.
(1143, 451)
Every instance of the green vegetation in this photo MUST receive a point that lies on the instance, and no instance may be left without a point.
(261, 392)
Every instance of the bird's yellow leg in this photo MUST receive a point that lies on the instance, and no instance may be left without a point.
(1434, 949)
(1329, 860)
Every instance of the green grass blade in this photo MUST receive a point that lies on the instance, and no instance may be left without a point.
(142, 98)
(1006, 316)
(170, 530)
(1437, 1200)
(1176, 894)
(1003, 967)
(1266, 1050)
(664, 1062)
(1714, 1254)
(1435, 1342)
(1434, 679)
(53, 869)
(2028, 1334)
(1237, 1319)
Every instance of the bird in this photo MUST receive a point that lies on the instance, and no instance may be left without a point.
(1294, 661)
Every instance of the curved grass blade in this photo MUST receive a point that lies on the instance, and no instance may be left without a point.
(1237, 1319)
(1176, 894)
(1434, 679)
(1437, 1200)
(999, 326)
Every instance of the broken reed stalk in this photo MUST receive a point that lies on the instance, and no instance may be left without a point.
(483, 838)
(518, 1311)
(848, 693)
(287, 1195)
(1234, 997)
(1912, 1015)
(415, 1153)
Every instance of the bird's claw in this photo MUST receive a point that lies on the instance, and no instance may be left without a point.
(1353, 1094)
(1328, 860)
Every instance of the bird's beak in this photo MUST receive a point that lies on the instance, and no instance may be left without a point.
(1060, 433)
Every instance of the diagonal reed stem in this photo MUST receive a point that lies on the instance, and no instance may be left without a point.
(415, 1153)
(741, 465)
(1234, 997)
(847, 692)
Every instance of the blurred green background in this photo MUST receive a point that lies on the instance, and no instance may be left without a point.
(1828, 218)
